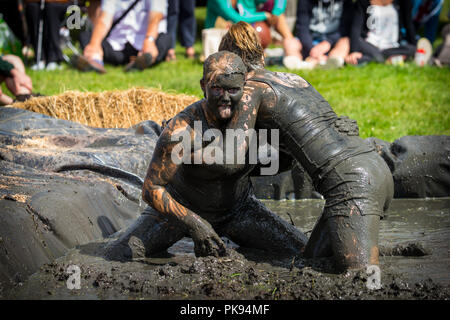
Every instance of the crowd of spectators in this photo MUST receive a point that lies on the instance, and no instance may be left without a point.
(138, 34)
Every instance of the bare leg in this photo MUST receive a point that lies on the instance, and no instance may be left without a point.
(292, 46)
(341, 49)
(94, 10)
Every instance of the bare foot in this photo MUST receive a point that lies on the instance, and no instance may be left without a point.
(171, 55)
(190, 53)
(292, 47)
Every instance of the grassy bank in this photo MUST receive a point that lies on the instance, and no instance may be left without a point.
(388, 102)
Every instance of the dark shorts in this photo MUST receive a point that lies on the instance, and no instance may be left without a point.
(332, 38)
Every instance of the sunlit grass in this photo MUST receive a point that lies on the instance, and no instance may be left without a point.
(388, 102)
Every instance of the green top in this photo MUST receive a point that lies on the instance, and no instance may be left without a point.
(224, 9)
(5, 68)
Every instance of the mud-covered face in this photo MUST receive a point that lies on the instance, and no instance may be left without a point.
(223, 93)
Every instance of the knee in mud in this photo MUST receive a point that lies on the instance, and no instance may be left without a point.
(118, 252)
(354, 241)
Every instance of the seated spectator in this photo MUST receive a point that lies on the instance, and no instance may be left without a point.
(272, 12)
(376, 32)
(323, 27)
(426, 13)
(132, 32)
(46, 44)
(181, 18)
(12, 71)
(442, 54)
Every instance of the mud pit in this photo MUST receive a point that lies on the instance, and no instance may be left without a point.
(50, 221)
(416, 232)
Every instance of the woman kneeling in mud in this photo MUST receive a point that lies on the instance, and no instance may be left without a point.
(201, 199)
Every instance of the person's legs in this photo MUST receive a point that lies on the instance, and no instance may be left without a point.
(32, 14)
(84, 38)
(336, 56)
(145, 60)
(358, 191)
(341, 49)
(163, 43)
(407, 51)
(94, 10)
(255, 226)
(188, 26)
(172, 25)
(351, 240)
(431, 27)
(151, 233)
(53, 17)
(370, 52)
(291, 45)
(111, 56)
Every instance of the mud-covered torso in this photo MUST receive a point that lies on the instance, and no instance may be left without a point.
(210, 189)
(309, 130)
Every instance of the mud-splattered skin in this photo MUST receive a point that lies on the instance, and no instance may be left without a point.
(354, 180)
(195, 198)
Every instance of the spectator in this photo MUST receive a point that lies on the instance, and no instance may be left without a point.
(426, 13)
(323, 27)
(50, 18)
(442, 54)
(376, 32)
(138, 36)
(181, 17)
(12, 71)
(13, 18)
(247, 10)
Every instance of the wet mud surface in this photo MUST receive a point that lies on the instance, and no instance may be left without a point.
(50, 221)
(414, 262)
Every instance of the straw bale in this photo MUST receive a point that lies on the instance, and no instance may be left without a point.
(110, 109)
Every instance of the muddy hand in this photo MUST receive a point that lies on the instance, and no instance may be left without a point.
(206, 240)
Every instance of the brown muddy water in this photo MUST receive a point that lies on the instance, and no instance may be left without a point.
(409, 221)
(418, 268)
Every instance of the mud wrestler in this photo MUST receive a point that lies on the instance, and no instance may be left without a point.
(205, 201)
(352, 177)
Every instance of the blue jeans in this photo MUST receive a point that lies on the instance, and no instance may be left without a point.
(426, 13)
(182, 12)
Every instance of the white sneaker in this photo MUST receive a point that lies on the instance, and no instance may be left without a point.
(332, 63)
(423, 52)
(38, 66)
(295, 63)
(53, 66)
(274, 52)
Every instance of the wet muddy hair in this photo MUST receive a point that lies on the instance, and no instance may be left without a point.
(223, 62)
(242, 40)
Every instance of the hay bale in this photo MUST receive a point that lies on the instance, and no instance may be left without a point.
(110, 109)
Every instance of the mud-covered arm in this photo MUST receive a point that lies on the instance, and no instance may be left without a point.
(162, 169)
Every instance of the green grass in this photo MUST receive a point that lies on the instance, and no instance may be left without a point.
(388, 102)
